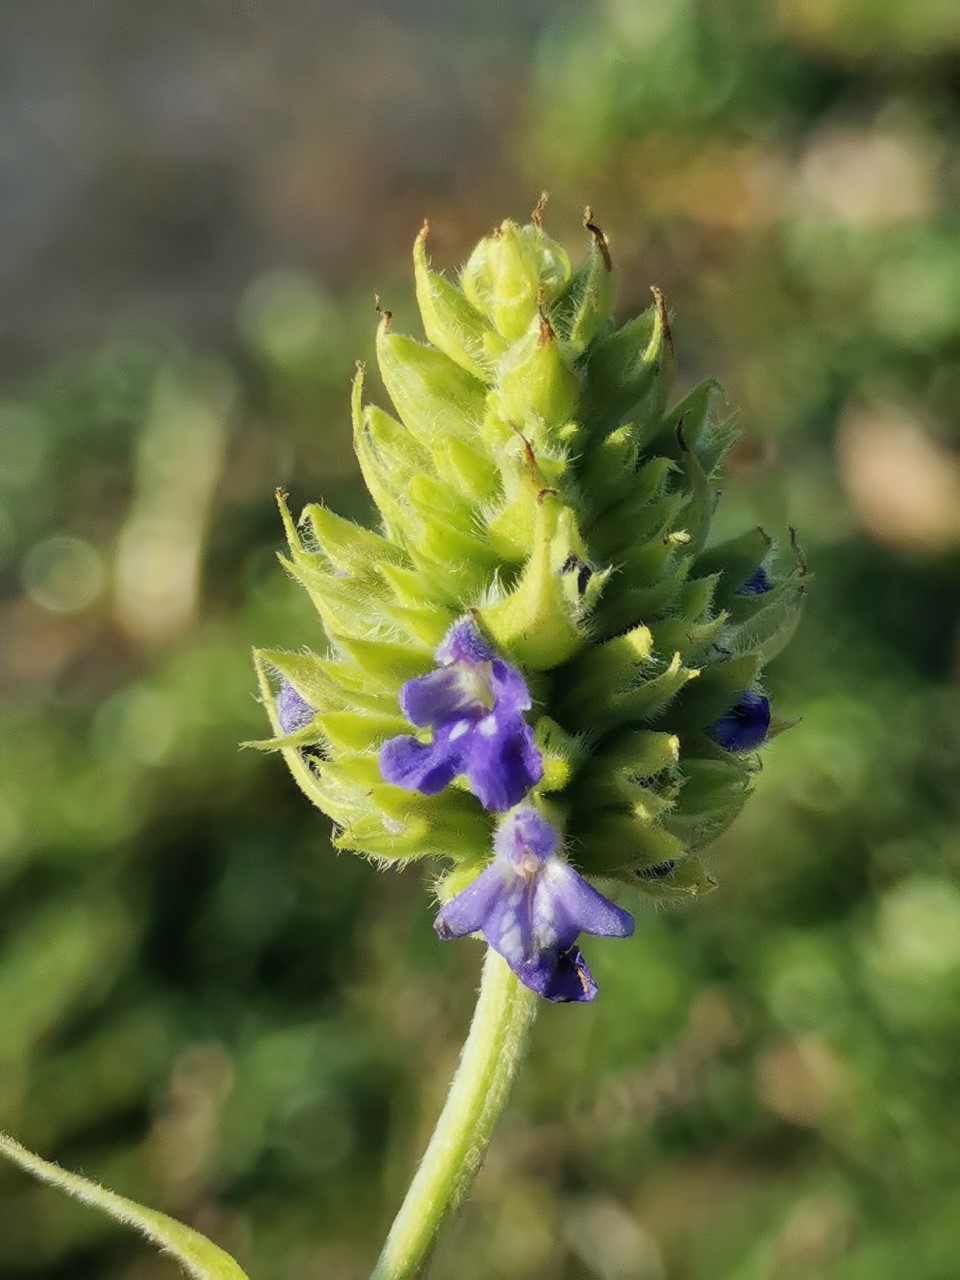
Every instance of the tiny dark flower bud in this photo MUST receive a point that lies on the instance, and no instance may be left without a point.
(758, 584)
(745, 726)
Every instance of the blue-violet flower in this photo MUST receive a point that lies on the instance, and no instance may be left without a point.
(474, 704)
(745, 726)
(531, 906)
(293, 711)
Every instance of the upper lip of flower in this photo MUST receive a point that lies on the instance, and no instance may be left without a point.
(474, 704)
(531, 906)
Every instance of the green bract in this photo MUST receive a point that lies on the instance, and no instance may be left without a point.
(537, 475)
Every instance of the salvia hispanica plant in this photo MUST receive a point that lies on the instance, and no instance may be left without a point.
(540, 671)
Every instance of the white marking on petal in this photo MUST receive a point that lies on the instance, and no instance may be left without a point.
(511, 945)
(459, 730)
(488, 726)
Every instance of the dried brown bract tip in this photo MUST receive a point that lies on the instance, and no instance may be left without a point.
(599, 239)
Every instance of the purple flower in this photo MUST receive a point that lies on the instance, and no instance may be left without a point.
(531, 906)
(745, 725)
(293, 711)
(758, 584)
(474, 704)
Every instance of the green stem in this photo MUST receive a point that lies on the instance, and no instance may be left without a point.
(459, 1143)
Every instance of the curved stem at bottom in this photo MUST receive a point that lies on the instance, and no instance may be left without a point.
(478, 1094)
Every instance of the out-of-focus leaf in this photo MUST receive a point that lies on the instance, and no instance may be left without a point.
(199, 1256)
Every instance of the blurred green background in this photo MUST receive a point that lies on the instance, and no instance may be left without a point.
(202, 1005)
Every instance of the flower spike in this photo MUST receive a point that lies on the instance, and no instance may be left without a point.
(542, 610)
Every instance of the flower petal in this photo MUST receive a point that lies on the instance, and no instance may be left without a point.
(467, 912)
(501, 762)
(415, 766)
(565, 905)
(508, 926)
(439, 697)
(560, 976)
(464, 643)
(524, 832)
(510, 692)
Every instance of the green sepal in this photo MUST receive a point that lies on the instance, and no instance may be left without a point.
(647, 562)
(310, 735)
(445, 528)
(511, 524)
(773, 626)
(690, 639)
(781, 724)
(627, 374)
(640, 754)
(348, 606)
(688, 879)
(602, 671)
(387, 664)
(622, 788)
(360, 731)
(713, 793)
(650, 507)
(687, 424)
(702, 501)
(735, 560)
(513, 272)
(449, 321)
(402, 825)
(585, 308)
(415, 591)
(436, 400)
(538, 623)
(431, 394)
(389, 460)
(617, 843)
(535, 385)
(624, 608)
(427, 624)
(326, 685)
(348, 546)
(719, 687)
(466, 467)
(652, 686)
(562, 754)
(652, 695)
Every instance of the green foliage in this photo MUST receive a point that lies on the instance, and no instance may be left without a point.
(199, 1258)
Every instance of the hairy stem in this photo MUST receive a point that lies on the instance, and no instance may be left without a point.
(504, 1012)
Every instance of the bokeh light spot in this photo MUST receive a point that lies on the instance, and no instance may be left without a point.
(63, 574)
